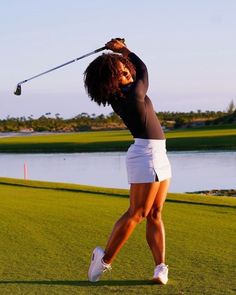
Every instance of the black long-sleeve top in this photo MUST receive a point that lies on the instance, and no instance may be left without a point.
(135, 108)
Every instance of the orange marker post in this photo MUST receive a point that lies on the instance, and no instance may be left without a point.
(25, 171)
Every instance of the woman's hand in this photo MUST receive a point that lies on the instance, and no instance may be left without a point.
(117, 46)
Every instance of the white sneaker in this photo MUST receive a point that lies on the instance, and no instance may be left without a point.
(161, 274)
(97, 266)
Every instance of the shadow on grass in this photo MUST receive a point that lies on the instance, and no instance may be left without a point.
(64, 147)
(81, 283)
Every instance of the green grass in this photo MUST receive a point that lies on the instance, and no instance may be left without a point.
(48, 231)
(206, 138)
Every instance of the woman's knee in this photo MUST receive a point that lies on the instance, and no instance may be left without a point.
(138, 215)
(155, 214)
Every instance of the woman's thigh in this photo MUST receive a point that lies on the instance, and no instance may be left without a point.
(161, 193)
(142, 196)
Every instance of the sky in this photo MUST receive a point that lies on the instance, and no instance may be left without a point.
(189, 48)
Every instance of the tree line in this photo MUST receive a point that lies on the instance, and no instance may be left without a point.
(86, 122)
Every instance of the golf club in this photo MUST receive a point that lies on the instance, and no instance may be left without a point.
(18, 86)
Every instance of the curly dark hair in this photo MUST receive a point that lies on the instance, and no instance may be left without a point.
(101, 77)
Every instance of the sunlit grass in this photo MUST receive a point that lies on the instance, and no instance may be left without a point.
(189, 139)
(48, 231)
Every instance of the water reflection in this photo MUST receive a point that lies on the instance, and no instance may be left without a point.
(191, 170)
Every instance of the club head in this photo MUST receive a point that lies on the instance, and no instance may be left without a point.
(18, 90)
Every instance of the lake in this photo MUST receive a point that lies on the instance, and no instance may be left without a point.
(192, 171)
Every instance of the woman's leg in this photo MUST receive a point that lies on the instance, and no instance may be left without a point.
(155, 231)
(142, 196)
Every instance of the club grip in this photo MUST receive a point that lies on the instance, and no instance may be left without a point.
(121, 39)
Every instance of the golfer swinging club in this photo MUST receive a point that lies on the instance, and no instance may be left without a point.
(120, 79)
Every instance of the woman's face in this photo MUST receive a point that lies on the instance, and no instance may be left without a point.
(125, 76)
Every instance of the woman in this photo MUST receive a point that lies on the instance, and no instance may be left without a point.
(120, 79)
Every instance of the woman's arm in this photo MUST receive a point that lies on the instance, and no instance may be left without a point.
(140, 86)
(118, 46)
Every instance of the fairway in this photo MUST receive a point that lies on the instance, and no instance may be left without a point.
(205, 138)
(48, 231)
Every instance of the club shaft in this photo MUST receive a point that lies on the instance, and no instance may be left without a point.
(62, 65)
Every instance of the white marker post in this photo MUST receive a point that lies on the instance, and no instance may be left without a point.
(25, 171)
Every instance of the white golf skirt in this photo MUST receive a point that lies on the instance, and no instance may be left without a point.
(147, 161)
